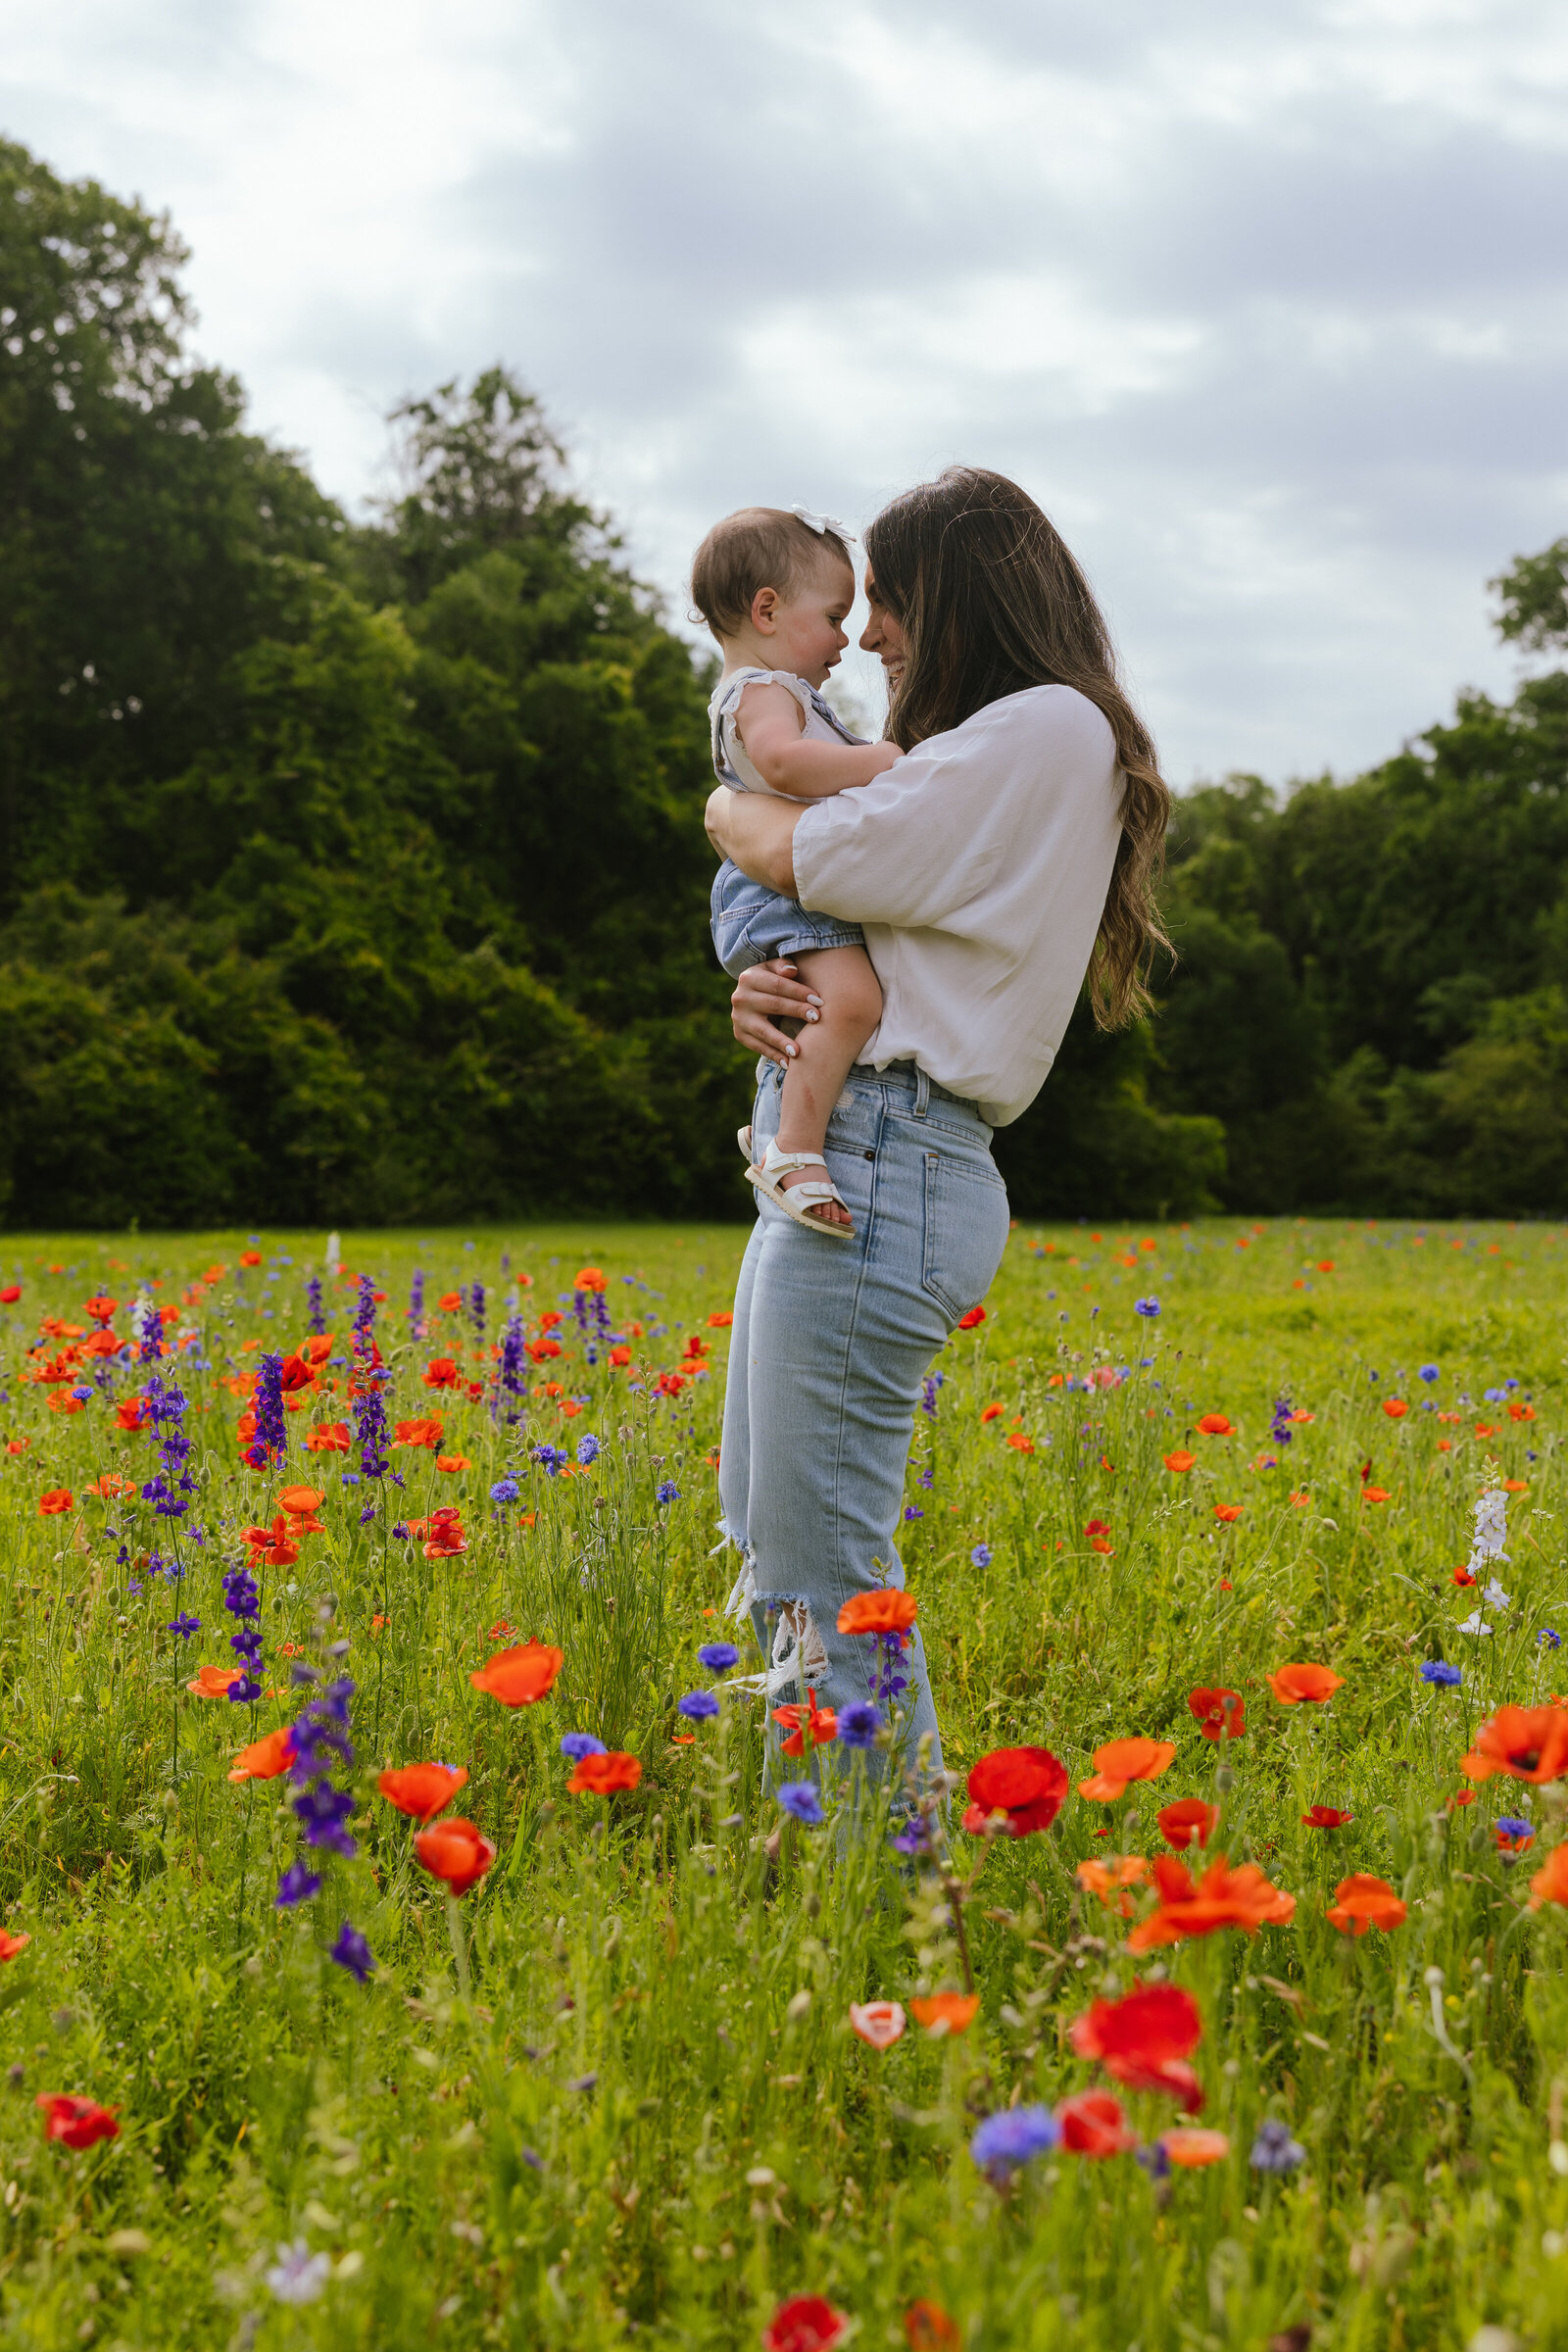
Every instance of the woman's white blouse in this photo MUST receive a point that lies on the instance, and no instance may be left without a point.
(978, 866)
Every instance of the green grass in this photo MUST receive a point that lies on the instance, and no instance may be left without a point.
(648, 2121)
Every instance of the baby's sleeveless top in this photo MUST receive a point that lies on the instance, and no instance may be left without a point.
(730, 763)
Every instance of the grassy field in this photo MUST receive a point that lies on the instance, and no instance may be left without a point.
(615, 2091)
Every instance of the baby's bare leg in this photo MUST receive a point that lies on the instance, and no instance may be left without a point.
(827, 1050)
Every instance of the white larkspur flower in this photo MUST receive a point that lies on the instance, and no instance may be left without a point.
(1496, 1598)
(299, 2276)
(1492, 1529)
(1473, 1624)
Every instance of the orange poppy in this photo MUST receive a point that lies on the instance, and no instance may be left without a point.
(879, 2024)
(60, 1402)
(1550, 1882)
(264, 1758)
(10, 1945)
(1365, 1902)
(453, 1463)
(444, 1533)
(520, 1675)
(944, 2012)
(1190, 1822)
(1395, 1407)
(1226, 1512)
(214, 1681)
(1215, 1425)
(455, 1851)
(1325, 1817)
(442, 1372)
(300, 1502)
(425, 1432)
(1221, 1714)
(1111, 1879)
(1293, 1684)
(822, 1723)
(111, 1488)
(1221, 1899)
(992, 1412)
(1144, 2041)
(1374, 1494)
(421, 1789)
(1187, 2146)
(1120, 1761)
(56, 1500)
(273, 1543)
(102, 1310)
(250, 1258)
(1517, 1486)
(18, 1444)
(1528, 1744)
(1026, 1784)
(1179, 1462)
(928, 2328)
(1093, 2124)
(720, 1319)
(883, 1611)
(603, 1776)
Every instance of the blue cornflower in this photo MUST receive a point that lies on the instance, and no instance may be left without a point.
(296, 1886)
(1146, 1306)
(1019, 2133)
(549, 1459)
(1274, 2150)
(350, 1952)
(1549, 1639)
(577, 1744)
(698, 1706)
(718, 1657)
(505, 1489)
(914, 1837)
(912, 1510)
(666, 1491)
(184, 1627)
(1438, 1671)
(981, 1555)
(82, 1395)
(860, 1722)
(587, 1449)
(1428, 1372)
(799, 1799)
(1510, 1825)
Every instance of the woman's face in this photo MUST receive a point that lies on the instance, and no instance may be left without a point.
(883, 637)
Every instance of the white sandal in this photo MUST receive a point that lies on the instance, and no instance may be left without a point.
(800, 1198)
(743, 1136)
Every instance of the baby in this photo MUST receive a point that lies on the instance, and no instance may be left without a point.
(775, 588)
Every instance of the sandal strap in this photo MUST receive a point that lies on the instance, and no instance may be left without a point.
(775, 1162)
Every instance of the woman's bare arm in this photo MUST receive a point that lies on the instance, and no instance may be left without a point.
(759, 835)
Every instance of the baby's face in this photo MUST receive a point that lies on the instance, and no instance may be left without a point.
(810, 625)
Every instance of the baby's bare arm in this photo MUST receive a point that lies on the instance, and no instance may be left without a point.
(770, 722)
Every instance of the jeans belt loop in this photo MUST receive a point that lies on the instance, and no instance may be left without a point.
(923, 1092)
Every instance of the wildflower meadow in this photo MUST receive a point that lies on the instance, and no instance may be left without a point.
(419, 1928)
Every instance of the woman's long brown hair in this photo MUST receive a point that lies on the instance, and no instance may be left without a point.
(991, 601)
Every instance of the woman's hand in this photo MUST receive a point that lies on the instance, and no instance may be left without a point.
(770, 989)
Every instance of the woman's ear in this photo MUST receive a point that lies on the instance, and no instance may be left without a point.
(764, 610)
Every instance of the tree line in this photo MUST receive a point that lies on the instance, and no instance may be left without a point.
(354, 871)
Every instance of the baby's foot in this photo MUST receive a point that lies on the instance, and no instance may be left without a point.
(823, 1212)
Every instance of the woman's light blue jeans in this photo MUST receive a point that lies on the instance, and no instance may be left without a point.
(830, 1342)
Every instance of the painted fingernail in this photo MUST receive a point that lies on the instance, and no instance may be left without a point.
(813, 1000)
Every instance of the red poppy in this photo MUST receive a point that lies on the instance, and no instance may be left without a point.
(1462, 1575)
(18, 1444)
(1221, 1714)
(804, 2323)
(1098, 1535)
(992, 1412)
(10, 1945)
(1550, 1882)
(1221, 1899)
(250, 1258)
(1179, 1463)
(264, 1760)
(273, 1545)
(604, 1776)
(78, 2122)
(1325, 1817)
(1374, 1494)
(1190, 1822)
(441, 1372)
(425, 1432)
(1528, 1744)
(944, 2012)
(1144, 2041)
(1027, 1784)
(454, 1850)
(294, 1374)
(10, 1294)
(550, 1318)
(883, 1611)
(450, 1300)
(822, 1723)
(300, 1502)
(101, 1309)
(443, 1531)
(928, 2328)
(1120, 1761)
(1111, 1879)
(1521, 1412)
(975, 1317)
(1093, 2124)
(1215, 1425)
(590, 1278)
(1291, 1684)
(421, 1789)
(519, 1677)
(1227, 1512)
(720, 1319)
(56, 1500)
(1364, 1902)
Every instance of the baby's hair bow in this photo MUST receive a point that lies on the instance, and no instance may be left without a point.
(823, 523)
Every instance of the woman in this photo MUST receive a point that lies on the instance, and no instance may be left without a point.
(1013, 849)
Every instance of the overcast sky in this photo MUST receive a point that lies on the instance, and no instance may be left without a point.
(1264, 303)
